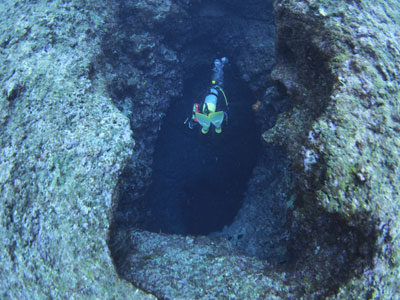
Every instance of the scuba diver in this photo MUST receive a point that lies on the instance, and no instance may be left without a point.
(211, 112)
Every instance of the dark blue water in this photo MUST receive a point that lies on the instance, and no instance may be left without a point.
(199, 180)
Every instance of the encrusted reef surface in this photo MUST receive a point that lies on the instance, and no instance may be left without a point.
(62, 147)
(177, 267)
(64, 144)
(339, 61)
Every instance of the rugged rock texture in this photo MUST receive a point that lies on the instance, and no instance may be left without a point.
(143, 74)
(63, 145)
(176, 267)
(343, 235)
(339, 61)
(213, 29)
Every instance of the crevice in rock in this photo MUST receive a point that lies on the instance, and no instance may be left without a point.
(181, 185)
(213, 31)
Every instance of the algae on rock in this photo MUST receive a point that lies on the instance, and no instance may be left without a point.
(64, 144)
(62, 147)
(347, 50)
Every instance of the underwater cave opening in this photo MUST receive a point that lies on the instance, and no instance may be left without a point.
(198, 180)
(228, 185)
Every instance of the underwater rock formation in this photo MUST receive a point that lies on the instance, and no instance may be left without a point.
(339, 62)
(64, 145)
(142, 73)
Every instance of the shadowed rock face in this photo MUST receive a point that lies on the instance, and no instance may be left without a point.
(347, 120)
(64, 144)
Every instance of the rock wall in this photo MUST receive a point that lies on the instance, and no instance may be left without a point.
(64, 144)
(143, 74)
(339, 62)
(62, 147)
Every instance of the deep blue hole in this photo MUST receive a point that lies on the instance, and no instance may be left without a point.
(199, 179)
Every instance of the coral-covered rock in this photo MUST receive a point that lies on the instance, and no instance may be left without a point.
(340, 65)
(177, 267)
(62, 147)
(66, 66)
